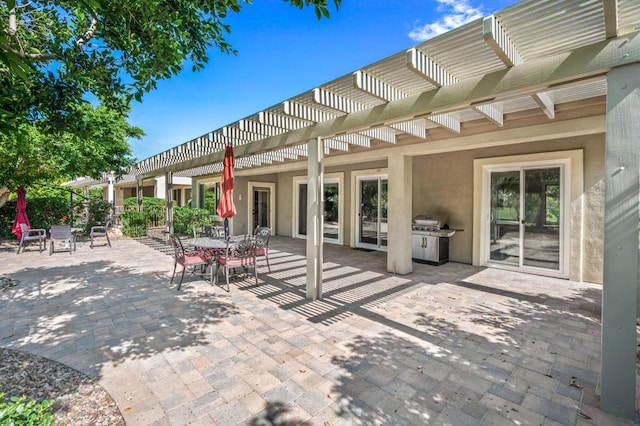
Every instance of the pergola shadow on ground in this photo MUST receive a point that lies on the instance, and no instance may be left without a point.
(452, 344)
(510, 342)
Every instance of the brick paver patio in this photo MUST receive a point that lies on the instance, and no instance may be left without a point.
(448, 345)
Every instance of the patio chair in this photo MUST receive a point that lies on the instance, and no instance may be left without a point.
(238, 258)
(193, 260)
(64, 236)
(39, 235)
(208, 231)
(262, 235)
(100, 231)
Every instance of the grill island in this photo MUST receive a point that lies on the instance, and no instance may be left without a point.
(430, 239)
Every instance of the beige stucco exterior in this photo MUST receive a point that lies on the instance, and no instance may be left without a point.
(443, 181)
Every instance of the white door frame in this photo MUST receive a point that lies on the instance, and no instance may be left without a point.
(564, 252)
(328, 178)
(357, 178)
(272, 204)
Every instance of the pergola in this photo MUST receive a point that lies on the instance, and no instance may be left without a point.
(534, 55)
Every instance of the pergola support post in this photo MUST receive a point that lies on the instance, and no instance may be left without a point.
(399, 213)
(315, 187)
(139, 194)
(111, 180)
(169, 203)
(621, 236)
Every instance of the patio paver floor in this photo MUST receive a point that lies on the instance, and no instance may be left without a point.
(453, 344)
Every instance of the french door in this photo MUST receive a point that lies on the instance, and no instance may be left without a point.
(526, 218)
(371, 223)
(331, 226)
(260, 213)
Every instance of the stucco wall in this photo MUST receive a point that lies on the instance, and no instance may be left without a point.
(285, 210)
(241, 196)
(443, 183)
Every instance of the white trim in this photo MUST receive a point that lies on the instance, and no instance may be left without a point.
(272, 204)
(295, 217)
(570, 163)
(357, 176)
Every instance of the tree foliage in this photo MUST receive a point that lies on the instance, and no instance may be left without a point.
(69, 70)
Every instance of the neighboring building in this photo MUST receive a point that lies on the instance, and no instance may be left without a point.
(116, 191)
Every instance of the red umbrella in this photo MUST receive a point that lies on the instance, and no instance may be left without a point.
(21, 215)
(226, 207)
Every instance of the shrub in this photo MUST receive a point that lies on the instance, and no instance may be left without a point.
(134, 224)
(152, 207)
(20, 412)
(185, 218)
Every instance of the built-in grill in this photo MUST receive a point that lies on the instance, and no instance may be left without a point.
(430, 239)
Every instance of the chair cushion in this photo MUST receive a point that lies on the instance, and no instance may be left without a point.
(235, 261)
(192, 258)
(260, 251)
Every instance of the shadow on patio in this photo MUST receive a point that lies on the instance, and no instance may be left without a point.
(112, 313)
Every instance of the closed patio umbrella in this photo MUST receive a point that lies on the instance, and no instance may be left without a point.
(21, 215)
(226, 207)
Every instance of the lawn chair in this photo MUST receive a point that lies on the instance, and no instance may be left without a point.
(262, 235)
(193, 260)
(39, 235)
(63, 235)
(100, 231)
(238, 258)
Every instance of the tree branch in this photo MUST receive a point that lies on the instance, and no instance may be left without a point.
(30, 56)
(89, 34)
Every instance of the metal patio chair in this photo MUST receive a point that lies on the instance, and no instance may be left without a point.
(262, 235)
(239, 258)
(39, 235)
(193, 260)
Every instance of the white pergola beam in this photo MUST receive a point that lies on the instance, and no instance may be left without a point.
(610, 9)
(282, 121)
(415, 128)
(335, 144)
(493, 112)
(257, 127)
(376, 87)
(241, 136)
(531, 77)
(384, 134)
(545, 103)
(304, 112)
(446, 120)
(334, 101)
(355, 139)
(498, 39)
(428, 69)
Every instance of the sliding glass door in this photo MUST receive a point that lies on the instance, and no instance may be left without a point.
(371, 231)
(526, 218)
(331, 210)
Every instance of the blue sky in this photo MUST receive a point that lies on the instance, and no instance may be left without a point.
(283, 51)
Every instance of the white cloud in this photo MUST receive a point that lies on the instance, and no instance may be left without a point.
(456, 13)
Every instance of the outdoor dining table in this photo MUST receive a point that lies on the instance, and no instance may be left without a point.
(208, 243)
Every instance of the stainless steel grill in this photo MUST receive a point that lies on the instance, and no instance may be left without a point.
(430, 239)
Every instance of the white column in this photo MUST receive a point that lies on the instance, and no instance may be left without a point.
(315, 187)
(169, 201)
(139, 193)
(622, 216)
(110, 188)
(399, 213)
(195, 197)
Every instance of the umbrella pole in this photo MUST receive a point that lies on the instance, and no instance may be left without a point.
(226, 228)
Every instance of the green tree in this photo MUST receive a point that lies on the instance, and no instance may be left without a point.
(68, 66)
